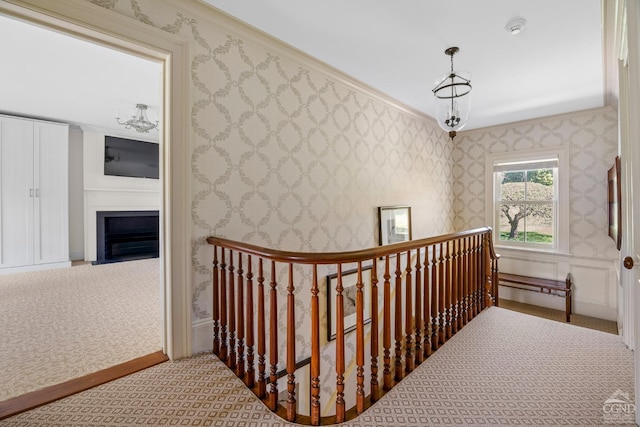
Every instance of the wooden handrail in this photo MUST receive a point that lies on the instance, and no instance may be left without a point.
(429, 289)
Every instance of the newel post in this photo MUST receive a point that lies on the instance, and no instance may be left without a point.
(487, 270)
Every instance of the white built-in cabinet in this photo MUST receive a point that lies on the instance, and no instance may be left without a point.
(34, 193)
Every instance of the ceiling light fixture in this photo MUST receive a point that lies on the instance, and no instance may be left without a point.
(138, 120)
(515, 26)
(452, 98)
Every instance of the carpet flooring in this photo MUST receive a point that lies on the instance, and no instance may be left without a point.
(503, 368)
(63, 324)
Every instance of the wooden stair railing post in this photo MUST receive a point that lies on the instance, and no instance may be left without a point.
(467, 282)
(460, 264)
(434, 300)
(340, 363)
(397, 331)
(426, 307)
(291, 349)
(262, 383)
(224, 351)
(386, 333)
(409, 360)
(441, 298)
(240, 312)
(454, 287)
(448, 284)
(315, 349)
(375, 390)
(216, 304)
(232, 314)
(273, 340)
(479, 275)
(250, 377)
(419, 356)
(359, 342)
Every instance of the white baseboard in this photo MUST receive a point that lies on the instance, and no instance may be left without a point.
(202, 336)
(35, 267)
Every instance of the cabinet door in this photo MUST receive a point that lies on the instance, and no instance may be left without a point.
(16, 191)
(51, 204)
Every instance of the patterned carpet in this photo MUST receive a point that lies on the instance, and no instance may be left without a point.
(503, 368)
(62, 324)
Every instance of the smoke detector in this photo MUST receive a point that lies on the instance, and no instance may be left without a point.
(515, 25)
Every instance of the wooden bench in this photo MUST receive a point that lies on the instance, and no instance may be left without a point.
(552, 287)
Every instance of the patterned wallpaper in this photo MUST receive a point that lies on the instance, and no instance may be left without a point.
(591, 137)
(290, 157)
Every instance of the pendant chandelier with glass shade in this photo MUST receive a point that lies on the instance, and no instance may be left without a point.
(138, 120)
(452, 98)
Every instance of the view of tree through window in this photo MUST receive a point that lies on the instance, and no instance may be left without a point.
(526, 206)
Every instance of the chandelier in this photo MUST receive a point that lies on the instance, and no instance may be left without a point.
(452, 98)
(138, 120)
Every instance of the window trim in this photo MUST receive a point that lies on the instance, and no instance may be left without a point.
(562, 153)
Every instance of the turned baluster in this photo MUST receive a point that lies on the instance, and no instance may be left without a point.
(418, 310)
(273, 340)
(340, 363)
(224, 351)
(291, 349)
(435, 326)
(441, 298)
(476, 276)
(409, 360)
(386, 332)
(232, 314)
(375, 388)
(240, 312)
(467, 282)
(262, 386)
(460, 299)
(216, 304)
(426, 306)
(315, 349)
(447, 291)
(250, 378)
(399, 371)
(359, 342)
(454, 288)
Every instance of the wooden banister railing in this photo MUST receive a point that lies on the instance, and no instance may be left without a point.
(420, 293)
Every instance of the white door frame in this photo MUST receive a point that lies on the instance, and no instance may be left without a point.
(84, 20)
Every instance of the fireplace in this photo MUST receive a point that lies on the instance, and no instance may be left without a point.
(127, 235)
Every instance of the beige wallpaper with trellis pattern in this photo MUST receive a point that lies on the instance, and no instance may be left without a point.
(288, 154)
(591, 137)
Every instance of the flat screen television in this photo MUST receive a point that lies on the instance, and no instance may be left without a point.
(130, 157)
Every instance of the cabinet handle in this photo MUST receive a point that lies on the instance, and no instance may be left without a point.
(37, 192)
(31, 192)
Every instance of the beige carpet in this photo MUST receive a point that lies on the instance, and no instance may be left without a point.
(503, 368)
(61, 324)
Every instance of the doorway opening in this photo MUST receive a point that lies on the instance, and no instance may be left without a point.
(80, 128)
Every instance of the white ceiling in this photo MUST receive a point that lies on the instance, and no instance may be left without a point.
(48, 75)
(554, 65)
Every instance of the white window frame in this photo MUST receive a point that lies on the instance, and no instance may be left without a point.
(562, 187)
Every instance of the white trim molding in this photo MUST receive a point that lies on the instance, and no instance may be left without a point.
(86, 21)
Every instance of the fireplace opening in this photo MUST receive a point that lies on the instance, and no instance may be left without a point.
(127, 235)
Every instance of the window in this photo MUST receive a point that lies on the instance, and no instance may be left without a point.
(528, 207)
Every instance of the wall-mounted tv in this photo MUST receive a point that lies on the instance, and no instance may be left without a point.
(130, 157)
